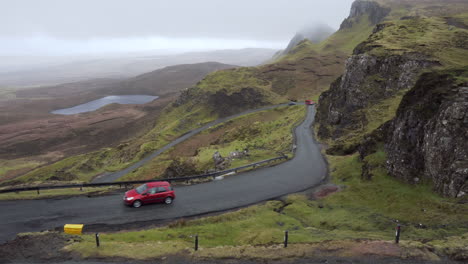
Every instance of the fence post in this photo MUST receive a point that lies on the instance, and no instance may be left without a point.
(97, 239)
(397, 234)
(38, 191)
(196, 242)
(81, 188)
(286, 238)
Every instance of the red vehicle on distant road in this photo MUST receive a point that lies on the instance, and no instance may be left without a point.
(309, 102)
(151, 192)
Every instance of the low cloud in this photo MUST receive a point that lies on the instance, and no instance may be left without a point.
(44, 45)
(89, 26)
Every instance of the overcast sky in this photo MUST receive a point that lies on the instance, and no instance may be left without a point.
(55, 27)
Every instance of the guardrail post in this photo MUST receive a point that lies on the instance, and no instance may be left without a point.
(97, 239)
(196, 242)
(81, 188)
(38, 191)
(286, 238)
(397, 234)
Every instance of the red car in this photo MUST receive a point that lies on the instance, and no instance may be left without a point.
(309, 102)
(151, 192)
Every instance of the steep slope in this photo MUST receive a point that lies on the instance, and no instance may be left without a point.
(309, 68)
(415, 37)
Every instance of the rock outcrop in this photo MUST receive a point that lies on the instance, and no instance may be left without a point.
(367, 80)
(226, 104)
(429, 136)
(375, 12)
(223, 102)
(222, 163)
(181, 168)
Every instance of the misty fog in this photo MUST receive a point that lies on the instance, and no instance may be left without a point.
(48, 33)
(54, 27)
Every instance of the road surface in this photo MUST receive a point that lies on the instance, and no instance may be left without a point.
(305, 170)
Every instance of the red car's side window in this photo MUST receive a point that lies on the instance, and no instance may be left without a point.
(162, 189)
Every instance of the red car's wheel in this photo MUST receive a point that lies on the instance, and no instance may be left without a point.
(168, 200)
(136, 203)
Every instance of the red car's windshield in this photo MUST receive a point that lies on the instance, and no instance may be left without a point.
(141, 189)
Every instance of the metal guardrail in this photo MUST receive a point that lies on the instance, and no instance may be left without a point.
(126, 183)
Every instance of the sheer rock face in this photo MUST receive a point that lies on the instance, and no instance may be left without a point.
(429, 136)
(367, 80)
(375, 12)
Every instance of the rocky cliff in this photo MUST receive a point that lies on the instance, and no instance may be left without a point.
(383, 103)
(367, 80)
(428, 139)
(373, 10)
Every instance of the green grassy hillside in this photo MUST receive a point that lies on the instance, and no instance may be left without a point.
(266, 135)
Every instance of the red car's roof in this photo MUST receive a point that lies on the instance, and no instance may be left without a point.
(161, 183)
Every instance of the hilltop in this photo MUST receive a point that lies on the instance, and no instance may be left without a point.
(314, 34)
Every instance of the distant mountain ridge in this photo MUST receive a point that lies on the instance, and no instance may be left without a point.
(124, 66)
(159, 82)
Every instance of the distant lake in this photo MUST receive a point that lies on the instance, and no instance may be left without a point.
(96, 104)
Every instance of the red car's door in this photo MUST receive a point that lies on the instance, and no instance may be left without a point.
(151, 196)
(161, 194)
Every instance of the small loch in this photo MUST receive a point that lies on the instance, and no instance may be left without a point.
(96, 104)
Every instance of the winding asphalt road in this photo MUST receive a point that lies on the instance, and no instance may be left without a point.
(305, 170)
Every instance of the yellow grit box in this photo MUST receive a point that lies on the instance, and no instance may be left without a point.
(73, 229)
